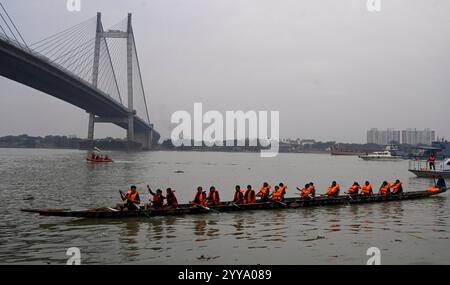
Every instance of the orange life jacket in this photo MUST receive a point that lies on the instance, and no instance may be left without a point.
(213, 198)
(277, 195)
(264, 192)
(432, 158)
(200, 199)
(385, 190)
(433, 189)
(133, 197)
(304, 193)
(238, 197)
(366, 189)
(396, 187)
(353, 189)
(250, 196)
(333, 190)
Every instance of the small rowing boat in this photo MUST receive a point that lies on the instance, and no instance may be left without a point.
(185, 209)
(88, 159)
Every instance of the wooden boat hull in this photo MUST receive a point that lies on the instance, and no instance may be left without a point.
(430, 173)
(288, 203)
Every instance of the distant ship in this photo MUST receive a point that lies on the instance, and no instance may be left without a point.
(338, 151)
(380, 155)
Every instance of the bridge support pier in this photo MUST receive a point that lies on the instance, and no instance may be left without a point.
(148, 139)
(91, 127)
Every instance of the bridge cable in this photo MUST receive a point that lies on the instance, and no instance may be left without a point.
(12, 22)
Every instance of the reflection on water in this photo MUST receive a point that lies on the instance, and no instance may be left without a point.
(408, 232)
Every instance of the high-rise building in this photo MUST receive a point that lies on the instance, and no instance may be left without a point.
(383, 137)
(415, 137)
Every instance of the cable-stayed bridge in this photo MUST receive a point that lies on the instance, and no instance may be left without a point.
(85, 65)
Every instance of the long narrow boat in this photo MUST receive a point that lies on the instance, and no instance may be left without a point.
(229, 206)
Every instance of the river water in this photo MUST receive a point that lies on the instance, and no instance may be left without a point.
(408, 232)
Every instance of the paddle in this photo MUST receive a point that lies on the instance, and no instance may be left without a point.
(206, 208)
(279, 202)
(234, 204)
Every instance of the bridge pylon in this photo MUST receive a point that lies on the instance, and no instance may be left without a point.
(145, 139)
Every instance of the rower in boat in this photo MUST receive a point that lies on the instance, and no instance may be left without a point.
(200, 198)
(264, 192)
(385, 190)
(172, 202)
(333, 190)
(397, 187)
(213, 197)
(238, 196)
(366, 189)
(132, 200)
(276, 195)
(305, 193)
(283, 189)
(158, 199)
(249, 195)
(354, 189)
(441, 183)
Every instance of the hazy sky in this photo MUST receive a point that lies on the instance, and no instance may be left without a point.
(331, 68)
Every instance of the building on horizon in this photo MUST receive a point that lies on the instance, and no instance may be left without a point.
(416, 137)
(383, 137)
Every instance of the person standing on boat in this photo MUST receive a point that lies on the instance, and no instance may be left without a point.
(432, 161)
(397, 187)
(385, 190)
(213, 197)
(132, 200)
(238, 196)
(354, 189)
(333, 189)
(366, 189)
(172, 201)
(249, 195)
(264, 192)
(200, 198)
(441, 183)
(283, 191)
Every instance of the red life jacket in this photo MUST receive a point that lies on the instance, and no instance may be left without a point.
(158, 201)
(172, 200)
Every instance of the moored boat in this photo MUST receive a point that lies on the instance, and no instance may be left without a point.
(421, 169)
(185, 209)
(380, 155)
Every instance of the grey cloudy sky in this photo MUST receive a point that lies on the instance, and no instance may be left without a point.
(330, 67)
